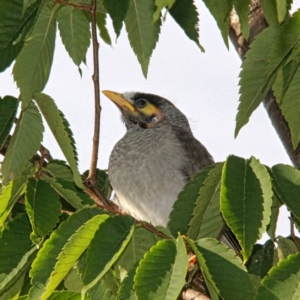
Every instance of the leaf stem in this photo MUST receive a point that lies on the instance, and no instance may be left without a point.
(92, 174)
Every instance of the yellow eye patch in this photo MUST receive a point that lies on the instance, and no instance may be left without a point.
(150, 110)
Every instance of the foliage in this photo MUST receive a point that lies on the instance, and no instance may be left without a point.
(55, 243)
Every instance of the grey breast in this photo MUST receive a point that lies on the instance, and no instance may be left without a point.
(146, 170)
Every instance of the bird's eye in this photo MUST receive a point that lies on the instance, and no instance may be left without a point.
(141, 103)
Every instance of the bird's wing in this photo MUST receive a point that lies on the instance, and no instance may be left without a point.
(197, 155)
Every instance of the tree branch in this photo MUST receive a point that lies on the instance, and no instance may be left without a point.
(78, 6)
(257, 23)
(92, 174)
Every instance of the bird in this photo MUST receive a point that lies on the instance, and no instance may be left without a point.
(156, 157)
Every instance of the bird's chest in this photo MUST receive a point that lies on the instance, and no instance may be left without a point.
(145, 170)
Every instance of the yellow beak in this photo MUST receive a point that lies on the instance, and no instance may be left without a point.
(119, 100)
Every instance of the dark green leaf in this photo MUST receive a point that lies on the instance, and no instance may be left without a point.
(8, 110)
(61, 131)
(182, 211)
(42, 206)
(13, 29)
(75, 32)
(207, 220)
(282, 282)
(101, 23)
(246, 199)
(62, 249)
(261, 259)
(161, 272)
(32, 68)
(108, 244)
(253, 82)
(285, 247)
(221, 12)
(142, 32)
(185, 13)
(286, 181)
(24, 143)
(117, 10)
(223, 269)
(141, 241)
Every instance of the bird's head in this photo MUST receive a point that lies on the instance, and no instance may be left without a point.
(147, 110)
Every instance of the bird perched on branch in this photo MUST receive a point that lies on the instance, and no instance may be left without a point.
(158, 154)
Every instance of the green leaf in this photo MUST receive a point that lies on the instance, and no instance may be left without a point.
(106, 288)
(270, 11)
(42, 205)
(10, 195)
(242, 10)
(61, 131)
(221, 12)
(62, 249)
(223, 269)
(126, 291)
(161, 272)
(117, 10)
(14, 28)
(253, 82)
(24, 143)
(32, 68)
(101, 23)
(72, 281)
(141, 241)
(182, 211)
(261, 259)
(286, 40)
(109, 242)
(282, 282)
(69, 191)
(59, 169)
(75, 32)
(142, 32)
(285, 247)
(271, 228)
(207, 220)
(66, 295)
(160, 5)
(14, 255)
(286, 181)
(289, 103)
(185, 13)
(8, 110)
(246, 199)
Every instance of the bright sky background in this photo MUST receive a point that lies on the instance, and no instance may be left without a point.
(202, 85)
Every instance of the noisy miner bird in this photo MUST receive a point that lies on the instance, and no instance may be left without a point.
(158, 154)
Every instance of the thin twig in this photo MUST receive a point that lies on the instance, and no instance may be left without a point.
(92, 174)
(82, 7)
(293, 235)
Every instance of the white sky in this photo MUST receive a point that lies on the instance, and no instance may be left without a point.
(202, 85)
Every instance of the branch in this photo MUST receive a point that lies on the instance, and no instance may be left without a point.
(78, 6)
(92, 174)
(257, 23)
